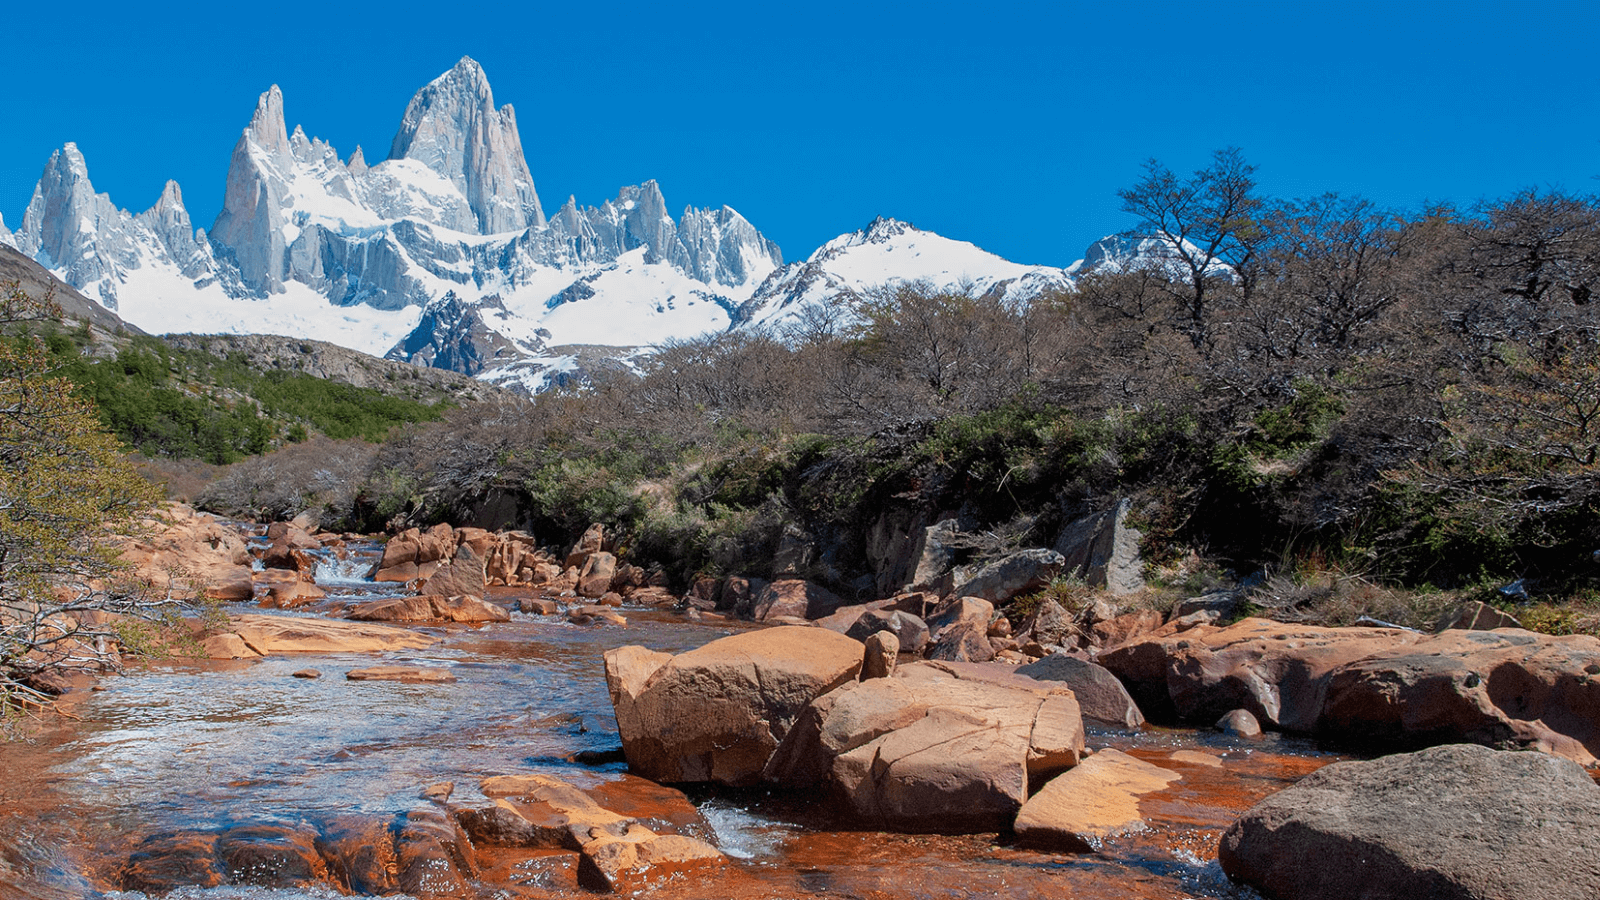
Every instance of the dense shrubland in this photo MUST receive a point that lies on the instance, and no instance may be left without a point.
(1402, 397)
(168, 402)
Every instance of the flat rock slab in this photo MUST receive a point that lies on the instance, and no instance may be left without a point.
(268, 635)
(1391, 688)
(1083, 807)
(1458, 822)
(405, 674)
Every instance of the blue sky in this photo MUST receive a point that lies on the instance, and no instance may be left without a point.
(1010, 125)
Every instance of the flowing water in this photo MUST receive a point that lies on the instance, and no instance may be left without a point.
(183, 745)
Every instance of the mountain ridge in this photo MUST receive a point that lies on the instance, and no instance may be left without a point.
(441, 254)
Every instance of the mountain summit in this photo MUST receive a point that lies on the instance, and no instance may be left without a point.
(441, 253)
(452, 127)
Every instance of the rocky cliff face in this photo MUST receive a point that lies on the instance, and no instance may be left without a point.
(452, 127)
(92, 245)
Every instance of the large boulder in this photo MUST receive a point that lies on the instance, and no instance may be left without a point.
(1449, 823)
(1103, 550)
(1278, 672)
(594, 579)
(182, 553)
(429, 609)
(794, 598)
(1488, 687)
(959, 631)
(718, 712)
(910, 632)
(935, 747)
(462, 575)
(1011, 576)
(1101, 696)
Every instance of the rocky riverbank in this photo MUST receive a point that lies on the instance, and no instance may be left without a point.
(925, 722)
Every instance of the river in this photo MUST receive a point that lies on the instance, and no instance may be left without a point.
(179, 745)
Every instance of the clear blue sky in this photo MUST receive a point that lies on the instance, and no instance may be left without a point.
(1010, 125)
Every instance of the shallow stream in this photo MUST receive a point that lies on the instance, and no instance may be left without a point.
(181, 745)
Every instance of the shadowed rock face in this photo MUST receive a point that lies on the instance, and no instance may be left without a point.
(1390, 687)
(1450, 823)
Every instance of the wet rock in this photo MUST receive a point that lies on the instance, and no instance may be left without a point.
(268, 635)
(360, 854)
(796, 598)
(164, 862)
(910, 632)
(275, 856)
(429, 609)
(403, 674)
(306, 673)
(1101, 696)
(1451, 823)
(936, 747)
(469, 608)
(1091, 803)
(960, 631)
(619, 852)
(439, 793)
(539, 606)
(226, 646)
(883, 651)
(595, 615)
(1195, 758)
(629, 862)
(1011, 576)
(292, 595)
(433, 855)
(1239, 723)
(718, 712)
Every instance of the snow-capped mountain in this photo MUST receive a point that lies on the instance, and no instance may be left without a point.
(441, 254)
(887, 252)
(5, 234)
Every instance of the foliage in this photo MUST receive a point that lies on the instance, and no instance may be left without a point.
(182, 403)
(64, 486)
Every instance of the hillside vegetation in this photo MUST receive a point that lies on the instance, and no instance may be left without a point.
(1309, 386)
(171, 401)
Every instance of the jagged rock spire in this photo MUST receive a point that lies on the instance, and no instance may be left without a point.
(453, 128)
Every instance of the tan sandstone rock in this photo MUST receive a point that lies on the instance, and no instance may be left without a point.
(718, 712)
(1083, 807)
